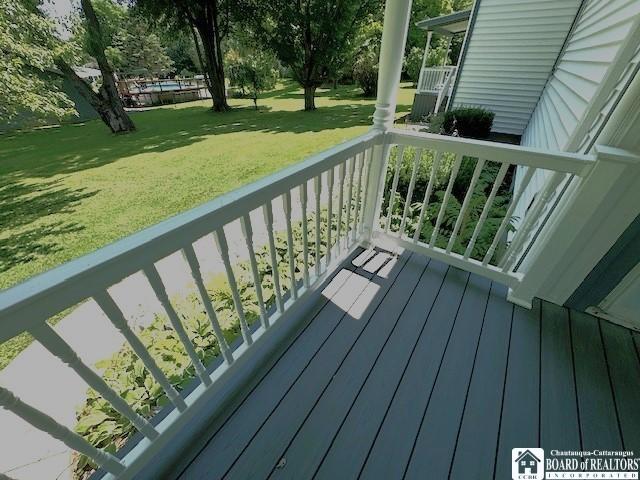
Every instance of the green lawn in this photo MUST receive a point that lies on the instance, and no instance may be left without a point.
(66, 191)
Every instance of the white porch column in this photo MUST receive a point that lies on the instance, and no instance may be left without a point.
(394, 37)
(424, 59)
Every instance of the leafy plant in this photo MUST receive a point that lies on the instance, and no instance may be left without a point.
(104, 427)
(413, 63)
(452, 209)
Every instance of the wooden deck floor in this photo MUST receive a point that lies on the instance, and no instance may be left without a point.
(412, 369)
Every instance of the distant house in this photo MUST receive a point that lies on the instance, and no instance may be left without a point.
(527, 462)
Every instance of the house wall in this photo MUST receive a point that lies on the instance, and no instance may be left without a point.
(510, 54)
(572, 109)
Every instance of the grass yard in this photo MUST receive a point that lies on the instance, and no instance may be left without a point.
(66, 191)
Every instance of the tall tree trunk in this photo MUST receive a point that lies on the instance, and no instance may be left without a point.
(309, 97)
(207, 27)
(117, 121)
(107, 101)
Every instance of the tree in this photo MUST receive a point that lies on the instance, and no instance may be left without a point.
(181, 50)
(106, 101)
(309, 36)
(413, 63)
(252, 70)
(28, 49)
(209, 22)
(136, 48)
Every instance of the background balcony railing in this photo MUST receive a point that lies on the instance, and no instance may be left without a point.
(434, 79)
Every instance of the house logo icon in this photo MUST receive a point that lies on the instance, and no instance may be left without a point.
(527, 464)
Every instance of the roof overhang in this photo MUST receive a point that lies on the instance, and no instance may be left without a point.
(447, 24)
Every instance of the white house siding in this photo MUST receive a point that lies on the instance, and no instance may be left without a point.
(601, 31)
(510, 54)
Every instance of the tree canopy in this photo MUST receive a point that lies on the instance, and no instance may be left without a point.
(209, 21)
(311, 37)
(28, 49)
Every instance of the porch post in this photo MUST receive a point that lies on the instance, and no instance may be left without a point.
(424, 59)
(444, 61)
(394, 37)
(578, 220)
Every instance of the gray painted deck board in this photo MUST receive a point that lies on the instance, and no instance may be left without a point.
(476, 447)
(402, 422)
(598, 418)
(624, 368)
(519, 425)
(559, 426)
(356, 435)
(362, 320)
(314, 437)
(430, 373)
(443, 415)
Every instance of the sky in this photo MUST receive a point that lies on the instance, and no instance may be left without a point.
(59, 9)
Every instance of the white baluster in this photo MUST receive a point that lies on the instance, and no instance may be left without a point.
(445, 199)
(365, 197)
(194, 266)
(412, 184)
(268, 220)
(158, 288)
(341, 172)
(304, 198)
(247, 232)
(318, 191)
(356, 220)
(394, 185)
(44, 422)
(352, 168)
(286, 200)
(50, 340)
(427, 194)
(465, 203)
(113, 312)
(223, 250)
(329, 214)
(485, 210)
(505, 221)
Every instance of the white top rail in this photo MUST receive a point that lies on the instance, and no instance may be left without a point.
(577, 164)
(37, 299)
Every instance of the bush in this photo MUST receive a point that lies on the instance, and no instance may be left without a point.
(365, 72)
(413, 63)
(472, 122)
(478, 200)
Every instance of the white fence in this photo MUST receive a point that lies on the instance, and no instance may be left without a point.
(433, 79)
(360, 198)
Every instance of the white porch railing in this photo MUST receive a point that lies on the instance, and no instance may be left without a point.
(433, 79)
(343, 170)
(364, 178)
(441, 239)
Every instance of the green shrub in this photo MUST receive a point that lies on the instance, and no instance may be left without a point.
(478, 200)
(471, 122)
(104, 427)
(413, 63)
(365, 72)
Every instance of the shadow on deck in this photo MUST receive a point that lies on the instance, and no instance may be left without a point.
(413, 369)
